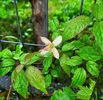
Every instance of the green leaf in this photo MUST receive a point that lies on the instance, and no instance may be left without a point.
(74, 61)
(6, 53)
(32, 58)
(7, 62)
(92, 68)
(56, 72)
(5, 70)
(79, 77)
(98, 9)
(72, 46)
(19, 68)
(36, 78)
(0, 54)
(98, 33)
(48, 80)
(55, 34)
(47, 62)
(75, 26)
(20, 83)
(89, 53)
(68, 46)
(18, 51)
(63, 60)
(66, 94)
(85, 92)
(22, 58)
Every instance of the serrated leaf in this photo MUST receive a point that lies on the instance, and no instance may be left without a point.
(79, 77)
(5, 70)
(7, 62)
(19, 68)
(35, 78)
(98, 33)
(72, 46)
(47, 62)
(92, 68)
(89, 53)
(85, 92)
(32, 58)
(98, 9)
(18, 52)
(63, 60)
(48, 80)
(22, 58)
(20, 83)
(68, 46)
(66, 94)
(75, 26)
(6, 53)
(74, 61)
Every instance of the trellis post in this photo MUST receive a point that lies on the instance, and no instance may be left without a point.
(39, 19)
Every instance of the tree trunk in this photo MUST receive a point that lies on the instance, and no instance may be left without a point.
(39, 19)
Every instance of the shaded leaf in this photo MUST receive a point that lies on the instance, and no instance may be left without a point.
(63, 60)
(47, 62)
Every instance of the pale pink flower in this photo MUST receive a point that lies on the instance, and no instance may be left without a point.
(51, 46)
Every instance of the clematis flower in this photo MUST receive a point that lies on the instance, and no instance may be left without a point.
(51, 46)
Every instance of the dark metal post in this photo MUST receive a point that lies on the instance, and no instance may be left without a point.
(18, 21)
(81, 7)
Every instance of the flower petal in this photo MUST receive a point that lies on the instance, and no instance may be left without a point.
(45, 40)
(57, 41)
(43, 52)
(55, 53)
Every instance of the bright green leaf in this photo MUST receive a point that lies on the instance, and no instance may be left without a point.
(85, 92)
(36, 78)
(79, 77)
(48, 80)
(75, 26)
(6, 53)
(98, 33)
(92, 68)
(20, 83)
(18, 52)
(98, 9)
(66, 94)
(89, 53)
(74, 61)
(7, 62)
(5, 70)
